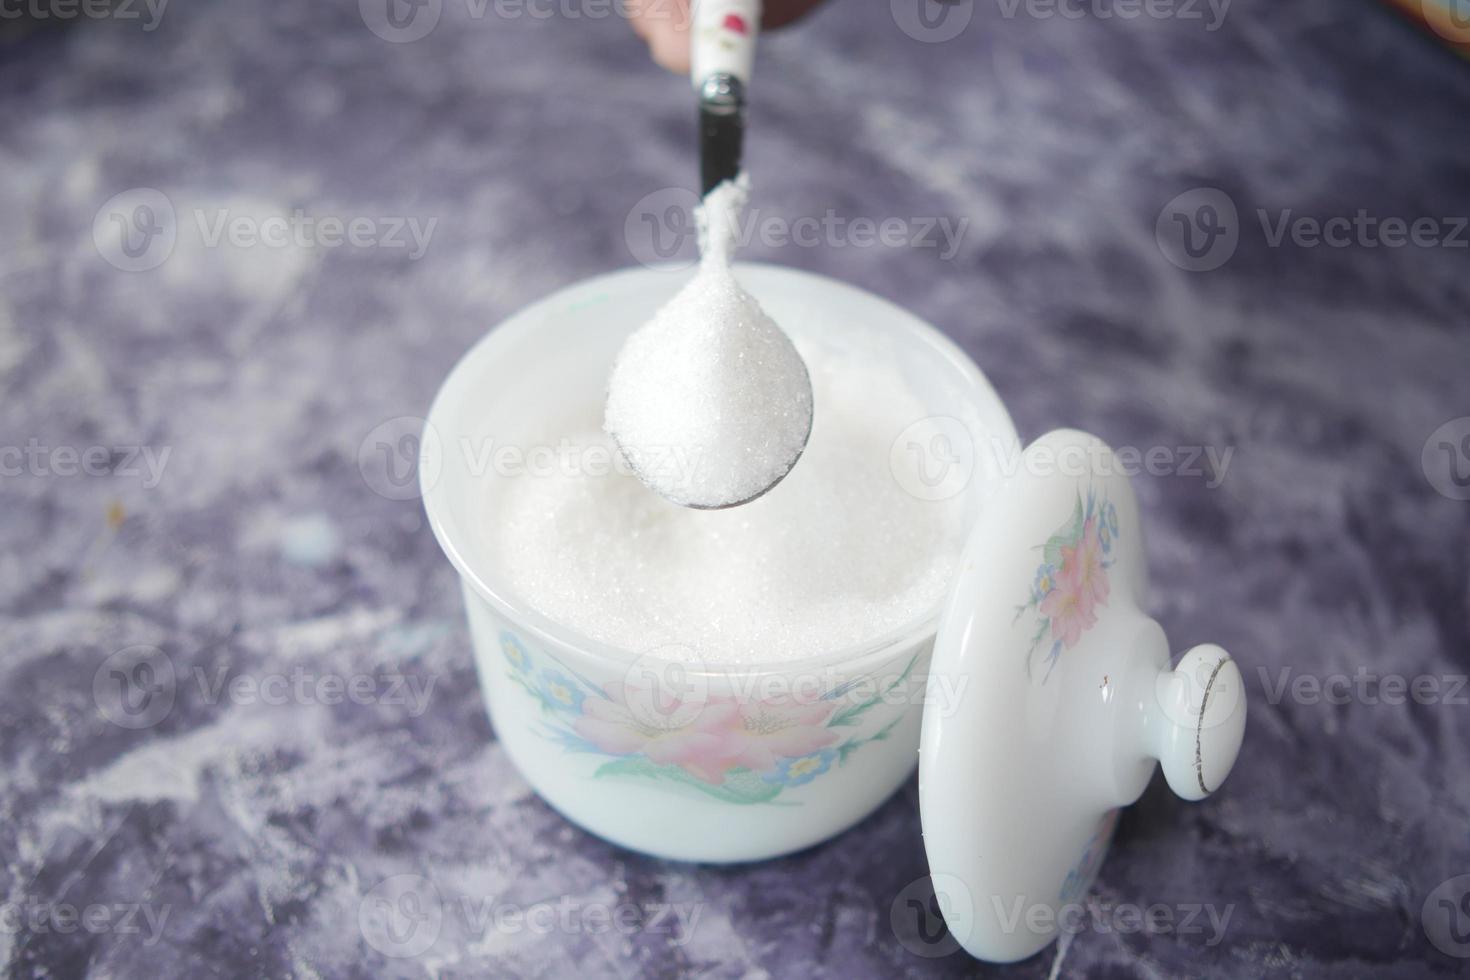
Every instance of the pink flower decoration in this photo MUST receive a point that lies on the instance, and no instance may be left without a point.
(780, 727)
(1089, 555)
(695, 736)
(1081, 585)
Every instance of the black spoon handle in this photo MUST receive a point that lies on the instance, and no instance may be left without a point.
(721, 129)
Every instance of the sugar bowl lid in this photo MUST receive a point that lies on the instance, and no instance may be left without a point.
(1051, 697)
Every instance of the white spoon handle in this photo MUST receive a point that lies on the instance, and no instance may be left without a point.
(723, 39)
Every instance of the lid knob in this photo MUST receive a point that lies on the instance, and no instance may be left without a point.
(1196, 734)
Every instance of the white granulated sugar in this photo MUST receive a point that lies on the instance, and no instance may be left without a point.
(837, 555)
(710, 402)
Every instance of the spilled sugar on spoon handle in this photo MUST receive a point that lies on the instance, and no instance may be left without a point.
(722, 53)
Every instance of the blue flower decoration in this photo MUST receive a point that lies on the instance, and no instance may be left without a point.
(802, 769)
(1045, 581)
(560, 691)
(514, 652)
(1112, 520)
(1105, 536)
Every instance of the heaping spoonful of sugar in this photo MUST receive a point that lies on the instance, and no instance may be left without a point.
(710, 402)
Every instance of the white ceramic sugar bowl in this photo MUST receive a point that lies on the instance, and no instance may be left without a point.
(1035, 703)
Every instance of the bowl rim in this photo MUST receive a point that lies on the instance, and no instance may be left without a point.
(850, 659)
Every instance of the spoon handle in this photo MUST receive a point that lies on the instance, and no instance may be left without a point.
(722, 55)
(723, 39)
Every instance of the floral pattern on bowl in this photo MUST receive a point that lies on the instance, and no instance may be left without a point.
(735, 750)
(1080, 878)
(1071, 582)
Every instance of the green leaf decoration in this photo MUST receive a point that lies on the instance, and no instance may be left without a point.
(535, 693)
(852, 745)
(886, 730)
(852, 714)
(1067, 537)
(749, 786)
(740, 785)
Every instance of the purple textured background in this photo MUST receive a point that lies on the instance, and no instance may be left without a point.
(263, 549)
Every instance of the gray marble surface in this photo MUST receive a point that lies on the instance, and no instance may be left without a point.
(186, 518)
